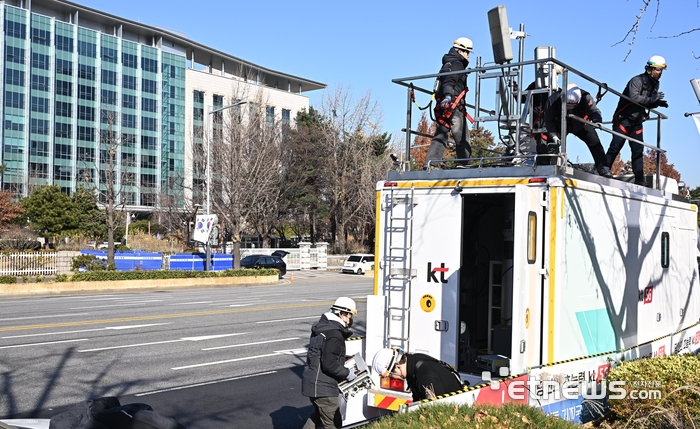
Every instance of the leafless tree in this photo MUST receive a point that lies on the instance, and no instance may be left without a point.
(110, 172)
(246, 169)
(352, 168)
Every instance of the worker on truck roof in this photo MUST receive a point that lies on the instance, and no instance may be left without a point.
(579, 103)
(450, 113)
(426, 376)
(629, 117)
(325, 364)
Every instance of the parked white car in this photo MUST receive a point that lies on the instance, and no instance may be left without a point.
(24, 424)
(358, 263)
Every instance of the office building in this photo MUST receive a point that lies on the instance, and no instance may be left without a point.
(75, 80)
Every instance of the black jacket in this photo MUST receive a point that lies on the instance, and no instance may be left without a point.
(424, 371)
(453, 84)
(586, 109)
(644, 90)
(325, 359)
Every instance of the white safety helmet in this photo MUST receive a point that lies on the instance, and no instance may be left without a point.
(344, 304)
(385, 360)
(573, 95)
(464, 43)
(657, 61)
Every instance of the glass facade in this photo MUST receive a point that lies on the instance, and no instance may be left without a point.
(68, 92)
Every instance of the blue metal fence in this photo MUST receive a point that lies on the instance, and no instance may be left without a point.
(131, 259)
(195, 261)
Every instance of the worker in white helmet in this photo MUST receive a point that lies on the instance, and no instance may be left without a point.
(629, 116)
(581, 104)
(426, 376)
(325, 361)
(450, 113)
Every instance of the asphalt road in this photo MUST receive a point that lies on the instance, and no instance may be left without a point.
(210, 358)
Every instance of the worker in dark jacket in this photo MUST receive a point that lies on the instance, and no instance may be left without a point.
(450, 112)
(629, 117)
(325, 362)
(579, 103)
(426, 376)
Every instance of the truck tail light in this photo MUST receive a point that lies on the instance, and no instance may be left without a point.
(392, 384)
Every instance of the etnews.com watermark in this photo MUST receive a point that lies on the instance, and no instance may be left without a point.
(560, 388)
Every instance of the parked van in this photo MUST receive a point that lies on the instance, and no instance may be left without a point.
(358, 263)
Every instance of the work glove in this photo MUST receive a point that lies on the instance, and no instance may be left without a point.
(659, 95)
(662, 103)
(445, 103)
(351, 376)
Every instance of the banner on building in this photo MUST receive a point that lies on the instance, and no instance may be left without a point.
(696, 117)
(203, 227)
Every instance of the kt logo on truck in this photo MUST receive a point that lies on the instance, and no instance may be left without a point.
(431, 273)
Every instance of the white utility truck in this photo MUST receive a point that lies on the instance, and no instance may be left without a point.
(520, 272)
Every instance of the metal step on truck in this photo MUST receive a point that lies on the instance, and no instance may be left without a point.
(518, 272)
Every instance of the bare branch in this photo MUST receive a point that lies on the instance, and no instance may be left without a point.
(635, 27)
(676, 35)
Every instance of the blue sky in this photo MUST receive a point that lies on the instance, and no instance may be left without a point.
(362, 45)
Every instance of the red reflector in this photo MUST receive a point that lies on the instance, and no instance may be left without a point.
(538, 180)
(390, 184)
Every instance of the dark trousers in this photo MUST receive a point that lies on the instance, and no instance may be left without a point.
(635, 131)
(590, 137)
(326, 414)
(460, 134)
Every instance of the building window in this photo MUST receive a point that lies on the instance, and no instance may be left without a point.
(41, 37)
(86, 113)
(129, 101)
(39, 126)
(64, 88)
(62, 151)
(109, 97)
(86, 92)
(13, 126)
(148, 105)
(149, 161)
(286, 117)
(87, 49)
(129, 60)
(14, 99)
(40, 105)
(86, 72)
(109, 55)
(65, 131)
(108, 117)
(62, 172)
(39, 148)
(14, 77)
(40, 61)
(86, 154)
(64, 43)
(109, 77)
(148, 143)
(270, 116)
(198, 97)
(129, 82)
(64, 67)
(64, 109)
(149, 65)
(40, 83)
(148, 124)
(149, 86)
(128, 121)
(86, 134)
(14, 55)
(15, 29)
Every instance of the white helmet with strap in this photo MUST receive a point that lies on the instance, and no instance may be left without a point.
(657, 61)
(385, 360)
(464, 43)
(345, 305)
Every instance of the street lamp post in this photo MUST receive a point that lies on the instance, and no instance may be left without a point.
(207, 265)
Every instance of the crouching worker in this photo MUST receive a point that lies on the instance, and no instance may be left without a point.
(325, 364)
(426, 376)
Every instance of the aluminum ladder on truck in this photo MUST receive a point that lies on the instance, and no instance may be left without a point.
(398, 263)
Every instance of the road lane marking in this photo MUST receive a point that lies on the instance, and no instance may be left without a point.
(282, 352)
(251, 344)
(205, 384)
(44, 317)
(286, 320)
(118, 305)
(167, 316)
(191, 303)
(86, 330)
(125, 346)
(43, 344)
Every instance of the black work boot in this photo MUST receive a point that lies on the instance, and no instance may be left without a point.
(604, 170)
